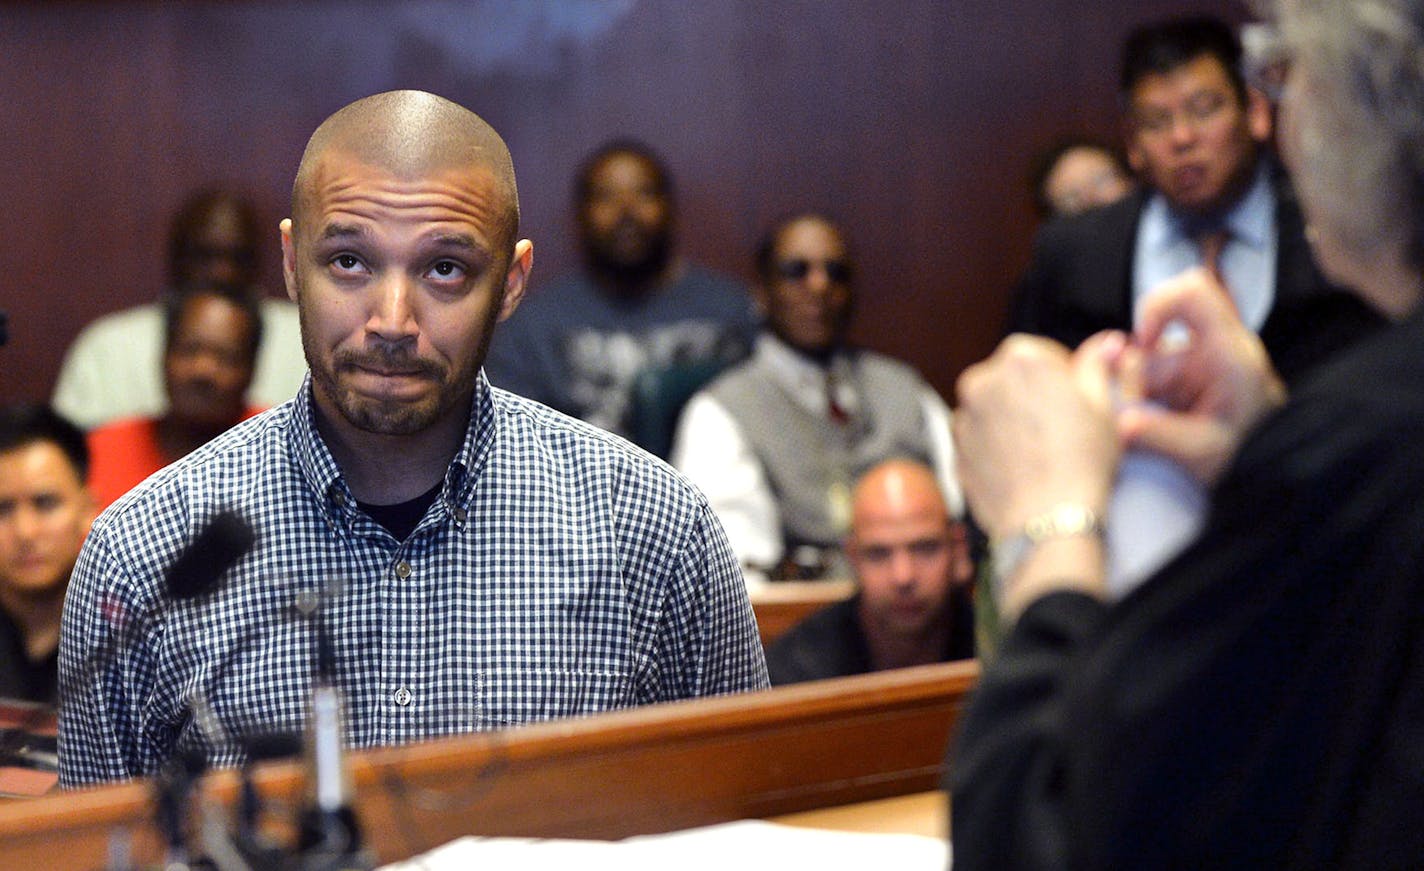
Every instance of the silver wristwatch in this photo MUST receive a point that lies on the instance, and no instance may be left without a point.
(1061, 521)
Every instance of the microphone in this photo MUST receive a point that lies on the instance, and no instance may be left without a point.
(195, 572)
(202, 563)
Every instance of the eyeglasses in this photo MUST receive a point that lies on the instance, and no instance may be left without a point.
(838, 271)
(1200, 110)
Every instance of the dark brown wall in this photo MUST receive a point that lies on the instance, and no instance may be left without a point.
(911, 119)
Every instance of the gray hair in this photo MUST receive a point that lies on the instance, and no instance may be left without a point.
(1360, 132)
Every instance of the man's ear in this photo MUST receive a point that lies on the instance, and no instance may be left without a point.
(963, 561)
(90, 508)
(1260, 119)
(516, 281)
(289, 258)
(1135, 159)
(852, 555)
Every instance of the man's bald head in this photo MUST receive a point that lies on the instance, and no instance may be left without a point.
(897, 488)
(909, 557)
(411, 134)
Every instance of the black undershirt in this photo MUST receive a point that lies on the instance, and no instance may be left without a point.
(401, 518)
(20, 677)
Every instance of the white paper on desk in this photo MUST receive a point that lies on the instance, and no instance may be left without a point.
(748, 845)
(527, 854)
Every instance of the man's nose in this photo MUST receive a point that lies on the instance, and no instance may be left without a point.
(25, 522)
(1183, 131)
(393, 313)
(818, 278)
(203, 366)
(902, 568)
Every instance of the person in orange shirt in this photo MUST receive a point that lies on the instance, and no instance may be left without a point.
(212, 336)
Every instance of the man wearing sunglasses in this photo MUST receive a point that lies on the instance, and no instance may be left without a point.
(1197, 136)
(776, 442)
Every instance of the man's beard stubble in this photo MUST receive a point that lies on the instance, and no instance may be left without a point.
(646, 266)
(391, 417)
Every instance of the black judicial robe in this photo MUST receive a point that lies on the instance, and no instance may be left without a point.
(1260, 702)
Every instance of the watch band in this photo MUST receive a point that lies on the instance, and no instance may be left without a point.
(1064, 520)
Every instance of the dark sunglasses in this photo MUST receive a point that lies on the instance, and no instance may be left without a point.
(797, 270)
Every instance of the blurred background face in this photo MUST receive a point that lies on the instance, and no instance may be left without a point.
(45, 512)
(208, 363)
(806, 297)
(217, 247)
(1193, 138)
(1084, 178)
(626, 217)
(906, 552)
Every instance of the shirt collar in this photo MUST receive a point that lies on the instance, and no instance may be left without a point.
(1250, 219)
(324, 476)
(803, 378)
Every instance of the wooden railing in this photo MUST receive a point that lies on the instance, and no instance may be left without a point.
(640, 771)
(783, 604)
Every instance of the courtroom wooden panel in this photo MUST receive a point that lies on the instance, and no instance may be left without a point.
(912, 120)
(642, 771)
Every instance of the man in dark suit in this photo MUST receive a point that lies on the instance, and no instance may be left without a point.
(1214, 197)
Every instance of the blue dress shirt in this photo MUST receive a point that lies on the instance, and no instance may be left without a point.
(1167, 246)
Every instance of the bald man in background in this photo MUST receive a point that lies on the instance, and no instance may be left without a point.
(911, 560)
(482, 561)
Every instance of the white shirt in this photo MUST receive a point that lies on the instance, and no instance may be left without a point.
(114, 369)
(710, 449)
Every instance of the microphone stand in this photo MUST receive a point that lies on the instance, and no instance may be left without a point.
(329, 834)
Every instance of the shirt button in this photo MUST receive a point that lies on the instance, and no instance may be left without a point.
(402, 570)
(403, 697)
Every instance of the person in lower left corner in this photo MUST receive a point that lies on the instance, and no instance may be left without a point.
(913, 607)
(45, 512)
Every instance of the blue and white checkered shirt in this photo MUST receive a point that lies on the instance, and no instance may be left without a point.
(560, 571)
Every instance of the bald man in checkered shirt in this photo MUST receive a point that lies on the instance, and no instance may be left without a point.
(482, 560)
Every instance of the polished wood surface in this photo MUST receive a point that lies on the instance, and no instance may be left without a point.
(923, 813)
(783, 604)
(641, 771)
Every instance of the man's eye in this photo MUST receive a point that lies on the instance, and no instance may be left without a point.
(927, 549)
(1205, 106)
(447, 269)
(346, 262)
